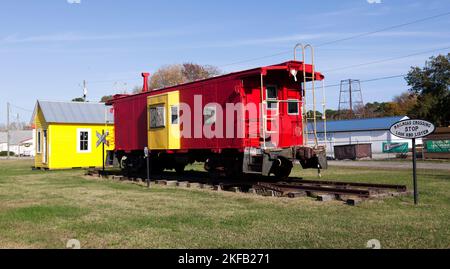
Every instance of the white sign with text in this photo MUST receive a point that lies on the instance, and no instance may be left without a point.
(411, 129)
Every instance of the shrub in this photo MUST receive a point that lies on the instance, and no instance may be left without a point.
(5, 153)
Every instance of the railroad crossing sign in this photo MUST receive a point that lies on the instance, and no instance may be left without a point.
(102, 139)
(413, 129)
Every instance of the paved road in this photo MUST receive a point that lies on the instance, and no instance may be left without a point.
(391, 164)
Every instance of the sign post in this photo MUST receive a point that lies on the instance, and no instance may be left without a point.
(103, 153)
(416, 191)
(101, 140)
(413, 129)
(147, 157)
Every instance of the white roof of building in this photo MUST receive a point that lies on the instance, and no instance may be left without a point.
(2, 137)
(16, 137)
(75, 112)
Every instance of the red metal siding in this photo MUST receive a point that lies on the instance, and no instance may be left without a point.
(220, 92)
(131, 113)
(130, 119)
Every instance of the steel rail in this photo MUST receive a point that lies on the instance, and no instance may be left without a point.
(351, 184)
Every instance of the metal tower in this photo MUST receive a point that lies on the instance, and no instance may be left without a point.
(351, 104)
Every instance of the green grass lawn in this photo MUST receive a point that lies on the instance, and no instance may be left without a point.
(41, 209)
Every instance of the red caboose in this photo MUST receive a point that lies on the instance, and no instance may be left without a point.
(248, 122)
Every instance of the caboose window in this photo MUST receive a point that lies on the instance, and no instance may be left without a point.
(272, 97)
(157, 117)
(293, 107)
(175, 114)
(272, 92)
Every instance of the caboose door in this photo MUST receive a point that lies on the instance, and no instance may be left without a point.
(163, 121)
(284, 123)
(272, 117)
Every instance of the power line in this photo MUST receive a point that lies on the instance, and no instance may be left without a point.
(112, 80)
(256, 59)
(343, 39)
(21, 108)
(385, 29)
(319, 45)
(385, 60)
(369, 80)
(383, 78)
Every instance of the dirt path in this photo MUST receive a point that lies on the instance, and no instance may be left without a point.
(391, 164)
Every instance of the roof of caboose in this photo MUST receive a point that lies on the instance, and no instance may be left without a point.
(74, 112)
(286, 66)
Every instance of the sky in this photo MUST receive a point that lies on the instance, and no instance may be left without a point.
(47, 48)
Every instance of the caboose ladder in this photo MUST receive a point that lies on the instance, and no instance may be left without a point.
(309, 110)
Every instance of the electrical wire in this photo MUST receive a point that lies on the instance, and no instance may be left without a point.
(325, 44)
(343, 39)
(21, 108)
(385, 60)
(369, 80)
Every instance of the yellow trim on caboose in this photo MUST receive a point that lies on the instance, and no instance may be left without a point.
(167, 137)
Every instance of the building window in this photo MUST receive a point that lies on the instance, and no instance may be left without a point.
(209, 115)
(272, 97)
(293, 107)
(175, 115)
(38, 142)
(83, 140)
(157, 116)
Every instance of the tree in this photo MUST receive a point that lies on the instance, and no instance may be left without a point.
(193, 72)
(78, 99)
(331, 114)
(167, 76)
(406, 103)
(106, 98)
(171, 75)
(137, 89)
(431, 84)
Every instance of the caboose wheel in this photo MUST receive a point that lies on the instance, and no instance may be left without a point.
(282, 170)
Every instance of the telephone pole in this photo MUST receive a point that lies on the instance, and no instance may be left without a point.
(7, 130)
(84, 90)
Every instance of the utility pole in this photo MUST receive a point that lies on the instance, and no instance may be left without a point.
(84, 90)
(7, 130)
(351, 99)
(351, 104)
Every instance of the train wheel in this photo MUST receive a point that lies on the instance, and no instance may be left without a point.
(283, 169)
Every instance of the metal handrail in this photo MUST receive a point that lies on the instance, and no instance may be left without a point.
(313, 92)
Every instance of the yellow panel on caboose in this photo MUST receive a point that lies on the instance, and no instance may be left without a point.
(164, 121)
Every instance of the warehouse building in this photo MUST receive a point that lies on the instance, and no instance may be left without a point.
(372, 131)
(437, 145)
(21, 142)
(68, 134)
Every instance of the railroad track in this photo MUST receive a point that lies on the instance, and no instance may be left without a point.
(351, 193)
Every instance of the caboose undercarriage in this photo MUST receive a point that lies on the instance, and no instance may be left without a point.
(228, 163)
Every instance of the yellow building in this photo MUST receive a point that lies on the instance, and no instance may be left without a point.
(67, 134)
